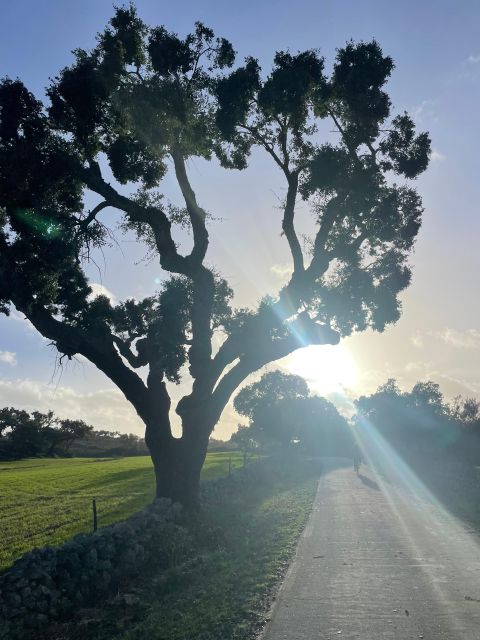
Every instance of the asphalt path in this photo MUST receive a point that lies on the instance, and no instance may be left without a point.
(379, 560)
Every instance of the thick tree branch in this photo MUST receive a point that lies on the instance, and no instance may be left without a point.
(134, 360)
(83, 224)
(288, 224)
(230, 382)
(98, 349)
(196, 213)
(203, 282)
(283, 139)
(321, 257)
(302, 332)
(170, 259)
(200, 352)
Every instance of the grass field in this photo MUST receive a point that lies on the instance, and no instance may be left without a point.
(46, 501)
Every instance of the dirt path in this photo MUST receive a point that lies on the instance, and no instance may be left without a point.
(379, 561)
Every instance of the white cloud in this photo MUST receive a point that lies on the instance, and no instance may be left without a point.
(436, 156)
(424, 113)
(417, 340)
(9, 357)
(281, 271)
(228, 423)
(104, 408)
(99, 290)
(473, 59)
(469, 339)
(412, 367)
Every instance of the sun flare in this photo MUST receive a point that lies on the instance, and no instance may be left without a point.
(327, 369)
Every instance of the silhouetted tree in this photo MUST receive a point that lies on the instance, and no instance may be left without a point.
(466, 411)
(64, 434)
(38, 433)
(244, 439)
(322, 430)
(418, 419)
(11, 417)
(272, 388)
(143, 102)
(270, 405)
(282, 412)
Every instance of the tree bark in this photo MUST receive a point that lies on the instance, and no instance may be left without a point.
(178, 464)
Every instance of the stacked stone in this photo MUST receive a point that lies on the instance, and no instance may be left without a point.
(50, 583)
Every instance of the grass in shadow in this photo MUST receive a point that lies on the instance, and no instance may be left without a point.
(243, 544)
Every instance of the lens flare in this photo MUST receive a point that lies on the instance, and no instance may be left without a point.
(439, 541)
(327, 369)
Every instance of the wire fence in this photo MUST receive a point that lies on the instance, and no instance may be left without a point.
(34, 519)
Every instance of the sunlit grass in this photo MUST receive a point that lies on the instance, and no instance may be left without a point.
(46, 501)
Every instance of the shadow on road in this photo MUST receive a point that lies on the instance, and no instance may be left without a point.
(371, 484)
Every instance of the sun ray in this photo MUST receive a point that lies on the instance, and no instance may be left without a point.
(327, 369)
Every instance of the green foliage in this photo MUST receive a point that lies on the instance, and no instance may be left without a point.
(161, 326)
(359, 74)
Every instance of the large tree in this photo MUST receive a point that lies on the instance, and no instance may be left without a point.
(281, 412)
(141, 104)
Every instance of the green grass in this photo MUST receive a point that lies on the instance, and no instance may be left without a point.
(244, 546)
(46, 501)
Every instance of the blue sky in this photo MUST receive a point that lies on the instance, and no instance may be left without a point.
(436, 49)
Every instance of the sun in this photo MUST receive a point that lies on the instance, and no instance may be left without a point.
(327, 369)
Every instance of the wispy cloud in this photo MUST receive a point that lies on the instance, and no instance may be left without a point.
(474, 59)
(436, 156)
(9, 357)
(281, 271)
(99, 290)
(469, 339)
(417, 340)
(424, 113)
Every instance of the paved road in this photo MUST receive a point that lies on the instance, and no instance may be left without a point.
(378, 561)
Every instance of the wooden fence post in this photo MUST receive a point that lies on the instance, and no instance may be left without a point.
(94, 506)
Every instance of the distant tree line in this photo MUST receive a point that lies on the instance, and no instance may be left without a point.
(284, 416)
(104, 443)
(24, 434)
(36, 434)
(421, 422)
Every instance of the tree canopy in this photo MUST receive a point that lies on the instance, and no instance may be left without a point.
(140, 104)
(282, 412)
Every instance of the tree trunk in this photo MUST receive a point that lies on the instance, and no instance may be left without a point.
(177, 465)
